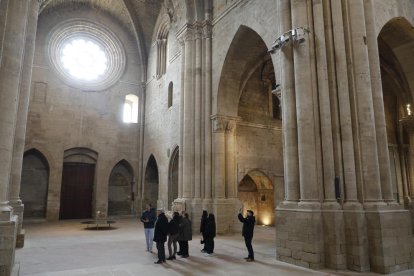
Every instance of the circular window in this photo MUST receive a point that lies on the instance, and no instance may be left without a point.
(86, 55)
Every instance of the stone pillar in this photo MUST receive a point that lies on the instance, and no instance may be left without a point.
(219, 161)
(197, 113)
(207, 114)
(180, 153)
(378, 102)
(12, 55)
(290, 136)
(188, 131)
(364, 103)
(230, 153)
(354, 219)
(309, 190)
(324, 103)
(348, 157)
(23, 110)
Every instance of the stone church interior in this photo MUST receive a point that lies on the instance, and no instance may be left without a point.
(301, 111)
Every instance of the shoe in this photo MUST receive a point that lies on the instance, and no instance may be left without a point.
(185, 256)
(171, 258)
(249, 260)
(203, 251)
(158, 262)
(208, 254)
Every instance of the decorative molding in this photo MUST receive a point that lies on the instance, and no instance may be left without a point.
(262, 126)
(175, 56)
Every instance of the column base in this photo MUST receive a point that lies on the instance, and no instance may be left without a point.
(357, 255)
(18, 209)
(334, 235)
(226, 210)
(390, 240)
(299, 236)
(7, 246)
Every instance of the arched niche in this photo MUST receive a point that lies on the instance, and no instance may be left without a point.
(151, 182)
(34, 184)
(256, 193)
(120, 190)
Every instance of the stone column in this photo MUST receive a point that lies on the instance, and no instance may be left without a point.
(321, 45)
(219, 161)
(180, 153)
(309, 190)
(23, 110)
(378, 102)
(207, 112)
(15, 15)
(230, 153)
(188, 131)
(197, 113)
(364, 103)
(290, 136)
(10, 75)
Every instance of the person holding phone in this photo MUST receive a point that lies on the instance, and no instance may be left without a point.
(247, 232)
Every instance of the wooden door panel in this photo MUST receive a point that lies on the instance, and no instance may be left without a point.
(76, 192)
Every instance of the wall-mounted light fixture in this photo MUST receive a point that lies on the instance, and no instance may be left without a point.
(296, 35)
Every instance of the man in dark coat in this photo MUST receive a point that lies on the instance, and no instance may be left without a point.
(185, 235)
(148, 218)
(160, 235)
(203, 228)
(247, 232)
(210, 234)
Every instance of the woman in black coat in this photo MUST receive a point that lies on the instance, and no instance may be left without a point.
(210, 234)
(203, 228)
(185, 235)
(173, 229)
(160, 235)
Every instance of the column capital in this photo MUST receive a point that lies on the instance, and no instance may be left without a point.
(223, 123)
(207, 29)
(185, 33)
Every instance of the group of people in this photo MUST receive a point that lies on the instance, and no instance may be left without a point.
(178, 229)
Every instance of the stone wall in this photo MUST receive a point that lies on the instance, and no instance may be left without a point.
(63, 117)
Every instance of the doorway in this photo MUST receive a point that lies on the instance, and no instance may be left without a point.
(76, 192)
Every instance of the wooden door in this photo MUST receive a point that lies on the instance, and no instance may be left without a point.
(76, 192)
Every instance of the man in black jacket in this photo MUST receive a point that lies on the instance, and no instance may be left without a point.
(148, 218)
(247, 232)
(160, 235)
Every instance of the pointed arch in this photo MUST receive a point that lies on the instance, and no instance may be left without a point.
(151, 182)
(256, 192)
(231, 83)
(34, 183)
(120, 189)
(173, 176)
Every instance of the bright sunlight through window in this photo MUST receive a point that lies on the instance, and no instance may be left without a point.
(84, 59)
(131, 109)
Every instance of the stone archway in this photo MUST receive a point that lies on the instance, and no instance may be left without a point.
(34, 184)
(395, 47)
(151, 182)
(120, 197)
(256, 193)
(247, 128)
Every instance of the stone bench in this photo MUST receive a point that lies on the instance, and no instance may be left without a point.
(98, 223)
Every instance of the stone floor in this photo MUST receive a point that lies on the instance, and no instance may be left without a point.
(66, 248)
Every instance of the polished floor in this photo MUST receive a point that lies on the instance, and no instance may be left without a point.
(67, 248)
